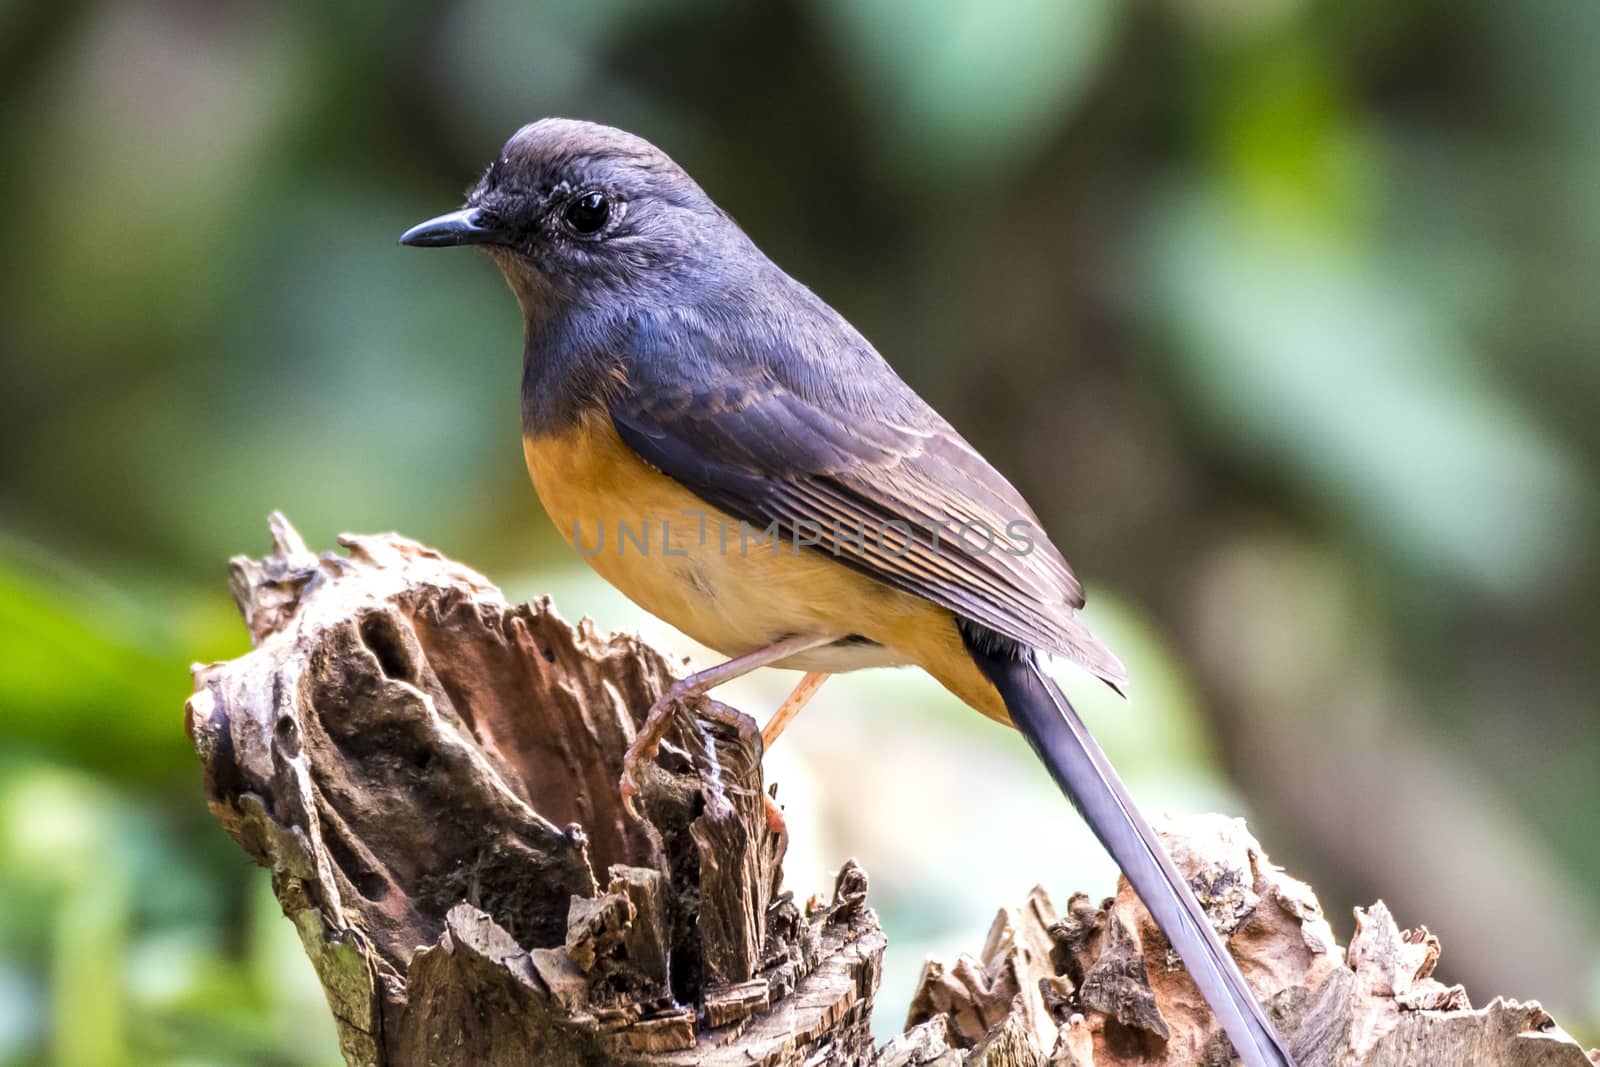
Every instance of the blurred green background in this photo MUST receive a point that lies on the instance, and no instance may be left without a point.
(1283, 313)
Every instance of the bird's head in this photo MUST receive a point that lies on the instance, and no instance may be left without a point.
(576, 212)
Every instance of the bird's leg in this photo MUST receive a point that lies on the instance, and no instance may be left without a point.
(782, 717)
(791, 707)
(648, 740)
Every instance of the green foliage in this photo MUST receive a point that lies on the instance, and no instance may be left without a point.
(1300, 284)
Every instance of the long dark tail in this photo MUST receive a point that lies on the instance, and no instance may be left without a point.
(1060, 739)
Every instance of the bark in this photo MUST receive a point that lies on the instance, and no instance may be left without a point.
(430, 774)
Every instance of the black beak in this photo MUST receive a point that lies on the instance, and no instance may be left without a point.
(464, 227)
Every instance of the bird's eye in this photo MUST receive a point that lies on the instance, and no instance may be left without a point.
(587, 214)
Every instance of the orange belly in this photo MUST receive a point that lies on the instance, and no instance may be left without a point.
(697, 568)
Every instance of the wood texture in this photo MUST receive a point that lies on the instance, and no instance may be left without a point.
(430, 775)
(1098, 986)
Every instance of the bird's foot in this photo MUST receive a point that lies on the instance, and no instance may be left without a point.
(647, 742)
(775, 821)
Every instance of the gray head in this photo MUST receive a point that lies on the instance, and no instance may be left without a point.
(575, 213)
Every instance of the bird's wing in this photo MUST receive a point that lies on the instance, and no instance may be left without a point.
(895, 493)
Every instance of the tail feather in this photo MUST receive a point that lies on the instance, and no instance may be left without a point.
(1043, 715)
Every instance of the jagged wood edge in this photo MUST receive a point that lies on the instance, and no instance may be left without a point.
(1097, 986)
(249, 723)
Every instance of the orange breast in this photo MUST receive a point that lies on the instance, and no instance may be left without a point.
(699, 569)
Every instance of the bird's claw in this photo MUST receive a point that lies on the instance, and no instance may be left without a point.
(629, 789)
(774, 814)
(645, 746)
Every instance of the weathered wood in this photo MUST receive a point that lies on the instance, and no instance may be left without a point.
(431, 776)
(1101, 987)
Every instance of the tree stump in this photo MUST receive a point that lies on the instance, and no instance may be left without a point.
(431, 774)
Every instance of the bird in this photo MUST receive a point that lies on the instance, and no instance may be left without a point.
(777, 492)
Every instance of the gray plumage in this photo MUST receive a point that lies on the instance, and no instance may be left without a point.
(648, 306)
(726, 373)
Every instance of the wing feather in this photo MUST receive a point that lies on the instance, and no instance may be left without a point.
(816, 459)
